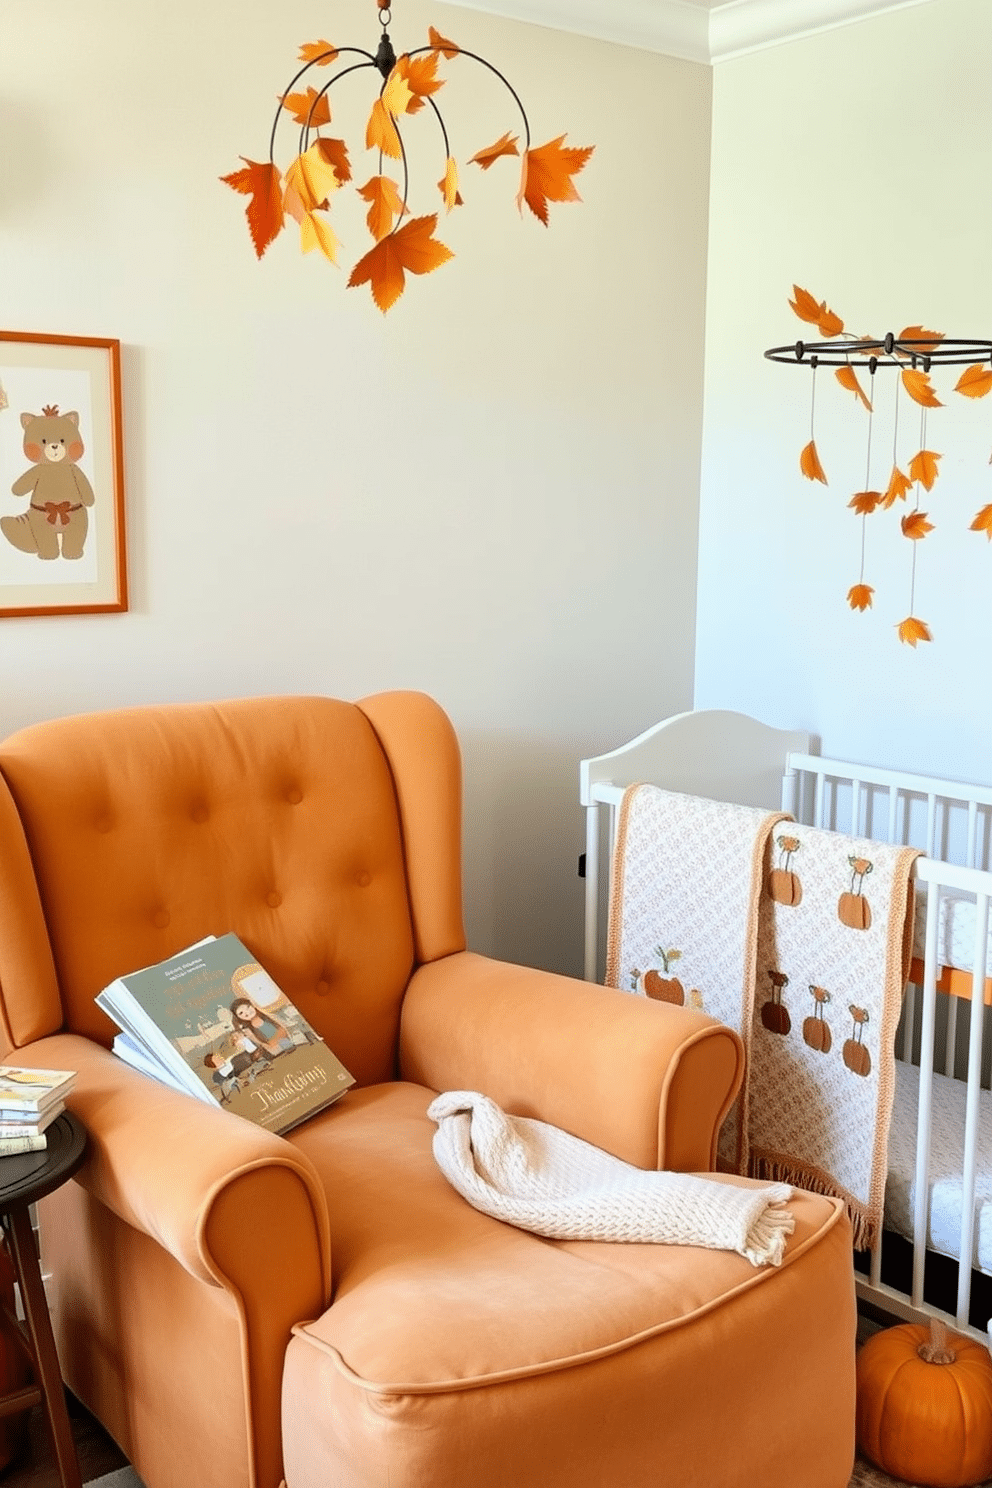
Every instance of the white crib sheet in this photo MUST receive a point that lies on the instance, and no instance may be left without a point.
(946, 1163)
(955, 929)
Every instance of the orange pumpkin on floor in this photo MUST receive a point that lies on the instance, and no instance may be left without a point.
(925, 1405)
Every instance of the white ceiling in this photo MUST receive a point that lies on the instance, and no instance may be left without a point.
(698, 30)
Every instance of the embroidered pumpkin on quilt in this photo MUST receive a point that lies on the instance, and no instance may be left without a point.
(774, 1015)
(784, 885)
(924, 1411)
(853, 908)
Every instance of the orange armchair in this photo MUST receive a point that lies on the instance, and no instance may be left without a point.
(240, 1308)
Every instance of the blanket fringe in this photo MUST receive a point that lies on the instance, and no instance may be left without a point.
(778, 1170)
(764, 1243)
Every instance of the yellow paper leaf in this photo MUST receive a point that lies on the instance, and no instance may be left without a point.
(923, 468)
(397, 95)
(917, 385)
(309, 108)
(915, 525)
(410, 249)
(448, 185)
(505, 145)
(848, 378)
(309, 182)
(974, 382)
(912, 630)
(381, 134)
(315, 232)
(385, 205)
(260, 181)
(441, 44)
(319, 52)
(865, 502)
(859, 596)
(896, 490)
(809, 464)
(983, 522)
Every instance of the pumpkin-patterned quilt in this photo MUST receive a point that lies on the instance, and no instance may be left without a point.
(799, 939)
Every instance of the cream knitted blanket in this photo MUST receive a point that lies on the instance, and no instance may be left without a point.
(540, 1178)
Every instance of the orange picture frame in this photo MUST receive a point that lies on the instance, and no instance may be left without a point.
(63, 549)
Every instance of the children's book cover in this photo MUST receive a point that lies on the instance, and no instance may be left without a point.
(215, 1019)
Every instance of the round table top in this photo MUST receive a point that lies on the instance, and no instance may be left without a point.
(27, 1176)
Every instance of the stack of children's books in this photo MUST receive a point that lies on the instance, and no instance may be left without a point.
(30, 1100)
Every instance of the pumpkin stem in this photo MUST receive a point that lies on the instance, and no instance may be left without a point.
(936, 1349)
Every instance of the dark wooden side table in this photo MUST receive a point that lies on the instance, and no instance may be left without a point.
(24, 1178)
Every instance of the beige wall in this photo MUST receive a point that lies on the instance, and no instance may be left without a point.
(490, 494)
(857, 164)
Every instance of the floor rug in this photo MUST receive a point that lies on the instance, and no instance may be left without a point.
(124, 1477)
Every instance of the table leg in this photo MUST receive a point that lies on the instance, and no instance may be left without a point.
(25, 1257)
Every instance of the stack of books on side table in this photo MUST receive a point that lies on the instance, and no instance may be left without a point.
(30, 1100)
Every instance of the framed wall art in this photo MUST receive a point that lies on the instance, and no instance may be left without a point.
(62, 541)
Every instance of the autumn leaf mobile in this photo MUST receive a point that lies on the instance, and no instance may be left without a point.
(402, 244)
(911, 354)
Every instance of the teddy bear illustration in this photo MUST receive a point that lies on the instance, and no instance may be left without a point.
(56, 521)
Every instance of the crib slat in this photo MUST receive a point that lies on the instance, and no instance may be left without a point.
(591, 964)
(893, 811)
(925, 1110)
(971, 1109)
(972, 858)
(931, 825)
(856, 808)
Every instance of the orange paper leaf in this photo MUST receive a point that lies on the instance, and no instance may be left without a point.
(386, 204)
(983, 522)
(917, 385)
(319, 52)
(848, 378)
(410, 249)
(896, 490)
(418, 73)
(448, 186)
(912, 630)
(260, 181)
(505, 145)
(974, 382)
(920, 334)
(334, 152)
(915, 525)
(923, 468)
(865, 502)
(806, 307)
(830, 324)
(442, 44)
(809, 464)
(547, 176)
(859, 596)
(310, 108)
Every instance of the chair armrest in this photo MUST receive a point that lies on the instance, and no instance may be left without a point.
(647, 1081)
(236, 1205)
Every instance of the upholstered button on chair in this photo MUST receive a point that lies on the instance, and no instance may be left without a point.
(239, 1307)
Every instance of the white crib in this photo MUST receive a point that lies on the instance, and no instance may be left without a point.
(938, 1203)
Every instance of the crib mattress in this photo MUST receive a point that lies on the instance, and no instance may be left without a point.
(946, 1164)
(955, 930)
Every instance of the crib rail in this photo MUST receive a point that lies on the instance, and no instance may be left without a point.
(945, 820)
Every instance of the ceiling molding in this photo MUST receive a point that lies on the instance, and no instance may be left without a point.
(696, 30)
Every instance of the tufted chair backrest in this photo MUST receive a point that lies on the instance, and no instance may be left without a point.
(125, 836)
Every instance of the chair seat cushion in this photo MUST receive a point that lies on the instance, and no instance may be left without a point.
(438, 1309)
